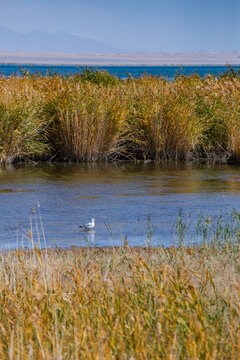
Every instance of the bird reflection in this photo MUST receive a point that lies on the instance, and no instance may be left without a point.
(90, 237)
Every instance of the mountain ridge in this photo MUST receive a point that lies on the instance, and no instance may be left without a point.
(42, 41)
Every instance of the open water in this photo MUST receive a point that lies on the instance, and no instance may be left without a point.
(120, 71)
(137, 202)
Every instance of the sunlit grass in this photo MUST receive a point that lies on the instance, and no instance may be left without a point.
(95, 116)
(120, 304)
(86, 121)
(23, 129)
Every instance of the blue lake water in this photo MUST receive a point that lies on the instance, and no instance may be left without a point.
(137, 202)
(120, 71)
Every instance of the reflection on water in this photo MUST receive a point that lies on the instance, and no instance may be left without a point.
(122, 198)
(86, 197)
(14, 190)
(90, 238)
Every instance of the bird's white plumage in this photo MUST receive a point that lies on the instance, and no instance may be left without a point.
(88, 226)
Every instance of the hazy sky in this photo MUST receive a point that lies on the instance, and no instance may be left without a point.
(145, 25)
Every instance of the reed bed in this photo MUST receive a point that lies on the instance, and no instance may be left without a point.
(95, 116)
(120, 303)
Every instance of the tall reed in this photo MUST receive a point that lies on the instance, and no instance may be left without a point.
(162, 122)
(94, 116)
(120, 304)
(86, 121)
(23, 127)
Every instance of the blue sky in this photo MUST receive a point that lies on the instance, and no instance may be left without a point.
(133, 25)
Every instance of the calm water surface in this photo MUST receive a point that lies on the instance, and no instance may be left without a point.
(126, 200)
(120, 71)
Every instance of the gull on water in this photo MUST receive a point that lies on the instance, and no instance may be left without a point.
(88, 226)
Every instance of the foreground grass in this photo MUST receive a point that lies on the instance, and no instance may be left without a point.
(95, 116)
(121, 303)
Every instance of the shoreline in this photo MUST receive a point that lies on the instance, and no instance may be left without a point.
(121, 59)
(119, 64)
(110, 250)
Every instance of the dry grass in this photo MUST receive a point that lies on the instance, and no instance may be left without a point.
(162, 123)
(120, 303)
(87, 121)
(96, 116)
(23, 126)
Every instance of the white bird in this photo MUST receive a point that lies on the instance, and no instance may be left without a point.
(88, 226)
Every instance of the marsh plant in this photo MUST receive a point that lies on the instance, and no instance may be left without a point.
(86, 121)
(22, 130)
(222, 228)
(148, 303)
(93, 115)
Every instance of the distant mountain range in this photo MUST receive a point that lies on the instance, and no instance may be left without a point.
(49, 42)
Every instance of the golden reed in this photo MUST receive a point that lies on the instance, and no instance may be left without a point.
(83, 117)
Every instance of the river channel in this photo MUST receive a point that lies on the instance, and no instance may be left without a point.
(139, 203)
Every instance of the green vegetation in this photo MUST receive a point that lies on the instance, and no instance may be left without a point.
(94, 116)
